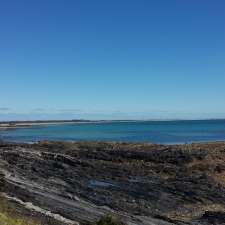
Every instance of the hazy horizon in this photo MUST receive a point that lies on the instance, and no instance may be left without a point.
(109, 116)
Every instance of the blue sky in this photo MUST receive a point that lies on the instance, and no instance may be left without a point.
(120, 59)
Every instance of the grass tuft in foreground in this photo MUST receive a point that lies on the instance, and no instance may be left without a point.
(108, 220)
(8, 216)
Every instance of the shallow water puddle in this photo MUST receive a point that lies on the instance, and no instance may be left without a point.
(104, 184)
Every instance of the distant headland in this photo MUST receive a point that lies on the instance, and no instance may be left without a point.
(29, 123)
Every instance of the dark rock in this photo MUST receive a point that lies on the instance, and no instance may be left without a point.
(137, 182)
(2, 182)
(215, 218)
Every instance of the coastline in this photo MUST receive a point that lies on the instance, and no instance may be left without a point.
(138, 183)
(22, 124)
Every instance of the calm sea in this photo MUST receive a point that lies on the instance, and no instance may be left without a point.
(142, 131)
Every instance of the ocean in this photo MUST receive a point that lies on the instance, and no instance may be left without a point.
(165, 132)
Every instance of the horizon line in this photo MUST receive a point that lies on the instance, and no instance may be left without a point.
(107, 120)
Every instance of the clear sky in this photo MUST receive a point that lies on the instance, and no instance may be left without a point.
(117, 59)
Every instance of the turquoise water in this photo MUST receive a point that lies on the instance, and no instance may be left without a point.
(151, 131)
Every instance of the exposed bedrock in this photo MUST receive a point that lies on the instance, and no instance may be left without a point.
(138, 183)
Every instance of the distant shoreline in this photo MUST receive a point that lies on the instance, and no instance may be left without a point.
(24, 124)
(30, 123)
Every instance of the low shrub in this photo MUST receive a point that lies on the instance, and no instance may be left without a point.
(109, 220)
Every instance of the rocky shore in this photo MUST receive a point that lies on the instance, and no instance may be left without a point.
(149, 184)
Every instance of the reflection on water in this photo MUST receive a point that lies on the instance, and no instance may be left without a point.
(104, 184)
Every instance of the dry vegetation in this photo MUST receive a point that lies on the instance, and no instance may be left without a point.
(9, 217)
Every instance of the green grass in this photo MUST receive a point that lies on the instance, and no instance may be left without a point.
(8, 216)
(109, 220)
